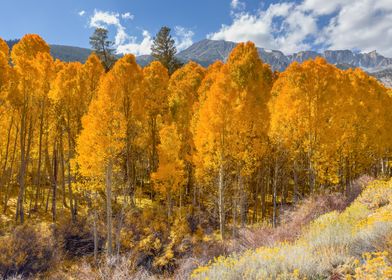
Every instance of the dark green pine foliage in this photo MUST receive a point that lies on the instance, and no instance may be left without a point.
(103, 47)
(164, 50)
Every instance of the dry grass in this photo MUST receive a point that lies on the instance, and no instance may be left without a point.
(331, 246)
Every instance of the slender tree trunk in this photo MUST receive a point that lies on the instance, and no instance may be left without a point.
(95, 233)
(242, 200)
(38, 180)
(275, 185)
(54, 182)
(19, 205)
(295, 177)
(154, 157)
(169, 206)
(264, 188)
(221, 201)
(10, 172)
(234, 217)
(62, 172)
(348, 177)
(23, 166)
(3, 173)
(109, 208)
(72, 201)
(120, 225)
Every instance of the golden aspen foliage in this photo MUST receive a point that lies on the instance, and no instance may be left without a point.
(251, 80)
(27, 56)
(68, 97)
(91, 74)
(302, 110)
(214, 139)
(107, 122)
(155, 83)
(210, 76)
(169, 178)
(28, 48)
(4, 72)
(4, 47)
(108, 131)
(183, 93)
(155, 104)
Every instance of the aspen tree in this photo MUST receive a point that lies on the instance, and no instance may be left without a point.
(169, 178)
(155, 83)
(107, 130)
(24, 56)
(183, 93)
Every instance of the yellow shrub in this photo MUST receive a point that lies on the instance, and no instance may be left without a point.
(375, 267)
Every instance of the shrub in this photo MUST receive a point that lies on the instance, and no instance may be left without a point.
(76, 238)
(376, 266)
(326, 249)
(26, 250)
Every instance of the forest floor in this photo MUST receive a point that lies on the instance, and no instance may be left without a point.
(325, 236)
(350, 243)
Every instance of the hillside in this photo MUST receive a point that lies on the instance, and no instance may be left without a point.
(64, 53)
(69, 53)
(353, 244)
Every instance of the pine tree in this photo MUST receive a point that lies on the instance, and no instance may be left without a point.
(103, 47)
(164, 50)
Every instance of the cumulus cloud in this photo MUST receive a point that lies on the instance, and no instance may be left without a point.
(282, 26)
(82, 13)
(183, 37)
(138, 48)
(237, 5)
(127, 15)
(365, 25)
(101, 19)
(314, 24)
(125, 43)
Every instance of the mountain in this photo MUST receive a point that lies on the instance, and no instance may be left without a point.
(384, 76)
(207, 51)
(64, 53)
(71, 53)
(68, 53)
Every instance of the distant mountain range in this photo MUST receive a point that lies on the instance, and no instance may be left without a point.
(64, 53)
(205, 52)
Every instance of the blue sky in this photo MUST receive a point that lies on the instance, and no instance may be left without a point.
(287, 25)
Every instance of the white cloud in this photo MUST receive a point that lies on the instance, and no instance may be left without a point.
(127, 15)
(101, 19)
(125, 43)
(82, 13)
(293, 26)
(237, 5)
(365, 25)
(183, 37)
(282, 26)
(144, 47)
(323, 7)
